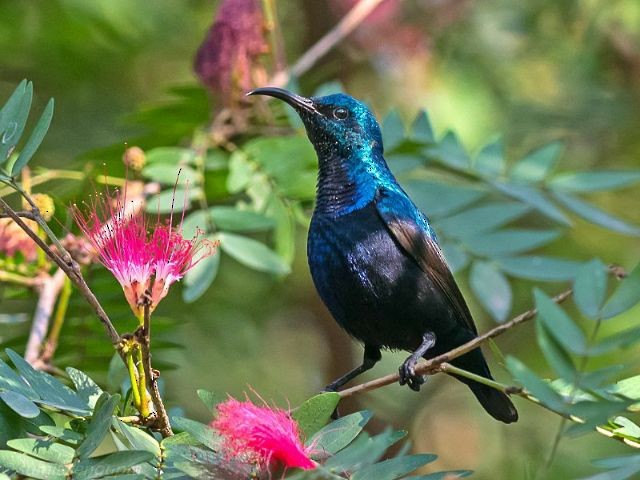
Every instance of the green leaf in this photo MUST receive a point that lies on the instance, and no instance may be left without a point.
(509, 241)
(559, 324)
(625, 296)
(43, 449)
(138, 439)
(594, 181)
(364, 450)
(627, 428)
(490, 160)
(170, 155)
(63, 434)
(450, 152)
(556, 356)
(445, 475)
(112, 464)
(87, 389)
(252, 253)
(623, 339)
(618, 461)
(538, 387)
(313, 414)
(235, 220)
(172, 200)
(438, 199)
(338, 434)
(198, 280)
(535, 198)
(622, 473)
(485, 218)
(50, 390)
(590, 288)
(456, 257)
(210, 399)
(393, 468)
(421, 130)
(392, 130)
(99, 425)
(201, 432)
(31, 467)
(539, 268)
(596, 215)
(14, 118)
(492, 289)
(536, 165)
(37, 135)
(20, 404)
(167, 173)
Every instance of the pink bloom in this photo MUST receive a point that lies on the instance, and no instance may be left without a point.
(229, 53)
(261, 434)
(13, 239)
(173, 256)
(142, 262)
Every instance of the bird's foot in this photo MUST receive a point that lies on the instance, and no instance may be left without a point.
(408, 376)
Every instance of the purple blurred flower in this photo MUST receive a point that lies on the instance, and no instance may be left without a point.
(225, 59)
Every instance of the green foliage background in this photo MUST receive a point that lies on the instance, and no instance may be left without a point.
(534, 72)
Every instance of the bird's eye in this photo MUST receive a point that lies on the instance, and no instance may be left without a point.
(340, 113)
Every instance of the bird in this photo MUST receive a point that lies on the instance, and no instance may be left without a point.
(373, 255)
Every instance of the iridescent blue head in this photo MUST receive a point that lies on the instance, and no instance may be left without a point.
(337, 125)
(348, 142)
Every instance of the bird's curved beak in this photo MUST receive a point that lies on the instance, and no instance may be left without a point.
(296, 101)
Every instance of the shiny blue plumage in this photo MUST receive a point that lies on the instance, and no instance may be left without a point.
(374, 257)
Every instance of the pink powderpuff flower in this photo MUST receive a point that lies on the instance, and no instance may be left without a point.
(261, 434)
(173, 256)
(141, 261)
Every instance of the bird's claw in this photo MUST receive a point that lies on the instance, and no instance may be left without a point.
(335, 415)
(408, 376)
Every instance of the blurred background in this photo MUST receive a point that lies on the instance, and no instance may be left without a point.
(531, 71)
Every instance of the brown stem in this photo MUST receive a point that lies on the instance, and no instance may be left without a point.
(334, 36)
(51, 286)
(144, 338)
(28, 215)
(70, 267)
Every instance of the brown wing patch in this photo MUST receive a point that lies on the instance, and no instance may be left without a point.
(427, 254)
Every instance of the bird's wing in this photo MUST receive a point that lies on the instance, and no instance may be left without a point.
(415, 236)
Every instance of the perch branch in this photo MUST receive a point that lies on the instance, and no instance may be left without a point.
(432, 365)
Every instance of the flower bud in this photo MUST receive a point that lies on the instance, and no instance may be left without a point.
(45, 204)
(134, 158)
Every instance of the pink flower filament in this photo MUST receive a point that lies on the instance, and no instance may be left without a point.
(261, 434)
(140, 261)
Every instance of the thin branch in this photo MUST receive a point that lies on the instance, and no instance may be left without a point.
(523, 393)
(71, 268)
(51, 286)
(144, 339)
(334, 36)
(27, 215)
(431, 365)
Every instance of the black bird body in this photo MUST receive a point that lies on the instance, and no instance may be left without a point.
(374, 257)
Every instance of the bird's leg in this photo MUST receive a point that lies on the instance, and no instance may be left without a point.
(407, 370)
(372, 356)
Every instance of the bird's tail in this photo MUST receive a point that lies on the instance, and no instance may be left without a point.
(496, 403)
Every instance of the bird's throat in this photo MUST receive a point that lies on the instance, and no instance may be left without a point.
(344, 185)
